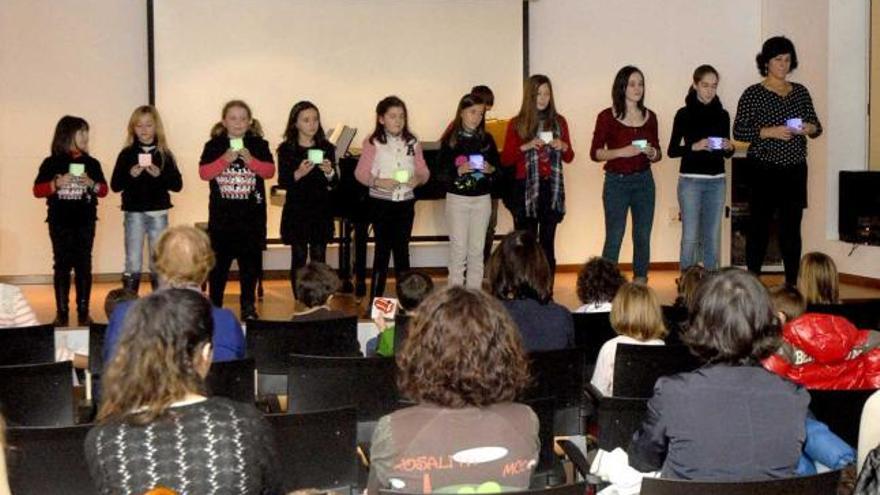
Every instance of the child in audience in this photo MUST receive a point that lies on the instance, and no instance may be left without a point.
(470, 157)
(236, 161)
(315, 285)
(71, 181)
(115, 297)
(687, 285)
(145, 172)
(14, 308)
(392, 166)
(156, 425)
(307, 218)
(412, 288)
(817, 279)
(637, 319)
(597, 284)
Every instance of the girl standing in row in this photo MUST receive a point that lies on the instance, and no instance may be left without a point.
(145, 173)
(236, 161)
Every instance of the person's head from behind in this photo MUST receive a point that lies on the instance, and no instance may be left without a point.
(635, 312)
(484, 93)
(462, 349)
(163, 354)
(183, 257)
(71, 135)
(687, 285)
(518, 269)
(598, 281)
(116, 296)
(315, 284)
(787, 302)
(817, 279)
(732, 321)
(412, 288)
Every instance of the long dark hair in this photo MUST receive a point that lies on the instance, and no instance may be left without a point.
(618, 91)
(699, 73)
(451, 135)
(65, 131)
(518, 269)
(777, 45)
(291, 133)
(527, 119)
(382, 108)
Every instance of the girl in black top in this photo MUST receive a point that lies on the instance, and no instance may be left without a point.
(776, 116)
(71, 181)
(470, 157)
(236, 161)
(145, 172)
(701, 137)
(307, 170)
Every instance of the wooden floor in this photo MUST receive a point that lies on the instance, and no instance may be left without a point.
(278, 303)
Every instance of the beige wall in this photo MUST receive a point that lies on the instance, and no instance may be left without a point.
(875, 87)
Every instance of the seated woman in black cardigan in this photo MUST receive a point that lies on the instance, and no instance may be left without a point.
(730, 420)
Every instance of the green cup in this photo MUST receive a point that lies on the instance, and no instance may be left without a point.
(77, 169)
(316, 156)
(401, 175)
(236, 144)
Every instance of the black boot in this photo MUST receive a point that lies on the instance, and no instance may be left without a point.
(83, 294)
(62, 294)
(131, 281)
(154, 281)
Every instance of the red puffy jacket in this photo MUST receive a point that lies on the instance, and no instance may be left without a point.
(827, 352)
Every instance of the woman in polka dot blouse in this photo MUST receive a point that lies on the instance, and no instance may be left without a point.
(776, 116)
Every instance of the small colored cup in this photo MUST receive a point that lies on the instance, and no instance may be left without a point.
(640, 143)
(477, 162)
(401, 175)
(77, 169)
(236, 144)
(316, 156)
(545, 136)
(716, 143)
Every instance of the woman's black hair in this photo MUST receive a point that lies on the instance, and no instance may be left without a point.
(65, 130)
(773, 47)
(382, 108)
(618, 91)
(291, 133)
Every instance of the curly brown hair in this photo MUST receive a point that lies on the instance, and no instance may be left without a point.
(598, 281)
(463, 349)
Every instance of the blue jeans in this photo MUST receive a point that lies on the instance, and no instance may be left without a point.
(137, 225)
(620, 194)
(701, 202)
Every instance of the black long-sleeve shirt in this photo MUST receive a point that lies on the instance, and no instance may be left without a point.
(474, 183)
(693, 122)
(309, 199)
(145, 192)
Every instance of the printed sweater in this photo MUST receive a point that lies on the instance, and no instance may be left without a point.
(145, 192)
(475, 183)
(73, 204)
(384, 160)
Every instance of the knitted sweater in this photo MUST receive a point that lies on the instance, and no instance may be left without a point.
(73, 204)
(216, 446)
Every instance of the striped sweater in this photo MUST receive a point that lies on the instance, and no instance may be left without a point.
(14, 308)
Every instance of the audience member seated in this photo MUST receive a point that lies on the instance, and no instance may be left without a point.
(463, 364)
(637, 319)
(115, 297)
(156, 427)
(817, 279)
(412, 288)
(869, 428)
(822, 351)
(315, 285)
(597, 284)
(14, 308)
(687, 285)
(520, 277)
(730, 420)
(183, 260)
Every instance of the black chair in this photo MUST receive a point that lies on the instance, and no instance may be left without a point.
(271, 343)
(591, 330)
(618, 418)
(38, 394)
(863, 313)
(560, 375)
(96, 347)
(233, 379)
(317, 450)
(637, 367)
(27, 345)
(315, 383)
(401, 330)
(549, 470)
(48, 460)
(674, 317)
(819, 484)
(841, 410)
(570, 489)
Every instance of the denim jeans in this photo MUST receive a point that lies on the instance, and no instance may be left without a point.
(620, 194)
(139, 224)
(701, 202)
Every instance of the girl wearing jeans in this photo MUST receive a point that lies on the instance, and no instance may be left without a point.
(704, 126)
(145, 172)
(625, 138)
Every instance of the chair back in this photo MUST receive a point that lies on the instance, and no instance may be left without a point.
(558, 374)
(549, 466)
(674, 317)
(567, 489)
(863, 313)
(618, 418)
(401, 330)
(232, 379)
(591, 330)
(48, 460)
(27, 345)
(315, 383)
(841, 410)
(318, 449)
(271, 343)
(637, 367)
(96, 347)
(37, 394)
(818, 484)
